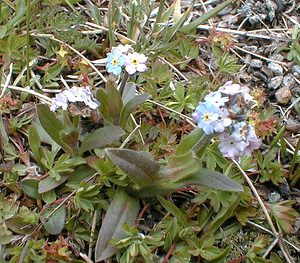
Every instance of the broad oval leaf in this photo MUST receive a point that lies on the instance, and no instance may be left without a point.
(139, 166)
(50, 123)
(130, 106)
(101, 137)
(212, 179)
(50, 183)
(129, 92)
(30, 187)
(122, 210)
(55, 224)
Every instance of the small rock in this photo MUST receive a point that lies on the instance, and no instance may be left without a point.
(296, 71)
(250, 48)
(288, 81)
(276, 68)
(283, 95)
(256, 63)
(292, 125)
(274, 197)
(277, 57)
(225, 11)
(275, 82)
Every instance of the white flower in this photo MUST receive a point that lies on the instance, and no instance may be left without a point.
(135, 62)
(230, 89)
(216, 99)
(233, 89)
(124, 49)
(75, 94)
(223, 121)
(60, 101)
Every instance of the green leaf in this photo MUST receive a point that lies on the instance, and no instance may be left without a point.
(206, 16)
(182, 166)
(56, 222)
(50, 183)
(100, 138)
(34, 143)
(172, 31)
(30, 187)
(49, 196)
(174, 210)
(212, 179)
(139, 166)
(189, 141)
(129, 92)
(122, 210)
(130, 106)
(51, 125)
(3, 30)
(80, 174)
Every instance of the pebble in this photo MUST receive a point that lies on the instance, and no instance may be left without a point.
(275, 82)
(250, 48)
(283, 95)
(296, 71)
(288, 81)
(277, 57)
(276, 68)
(256, 63)
(274, 197)
(225, 11)
(292, 125)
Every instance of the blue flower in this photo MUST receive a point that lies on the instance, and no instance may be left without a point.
(115, 62)
(206, 116)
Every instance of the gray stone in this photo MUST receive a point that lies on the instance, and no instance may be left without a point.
(283, 95)
(277, 57)
(226, 11)
(274, 197)
(250, 48)
(256, 63)
(296, 71)
(275, 82)
(288, 81)
(276, 68)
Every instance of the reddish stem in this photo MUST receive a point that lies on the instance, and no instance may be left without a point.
(169, 253)
(137, 221)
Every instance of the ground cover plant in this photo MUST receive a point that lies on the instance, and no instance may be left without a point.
(149, 131)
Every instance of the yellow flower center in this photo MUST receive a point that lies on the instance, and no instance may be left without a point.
(206, 117)
(135, 61)
(115, 62)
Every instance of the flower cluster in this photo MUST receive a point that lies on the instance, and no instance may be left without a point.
(224, 112)
(124, 56)
(75, 94)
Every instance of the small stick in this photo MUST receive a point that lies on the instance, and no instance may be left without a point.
(273, 244)
(32, 92)
(7, 80)
(265, 211)
(259, 56)
(129, 136)
(241, 33)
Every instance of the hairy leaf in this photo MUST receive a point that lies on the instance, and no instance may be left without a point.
(139, 166)
(101, 137)
(122, 210)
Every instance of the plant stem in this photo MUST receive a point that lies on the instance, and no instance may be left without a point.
(123, 83)
(159, 14)
(27, 41)
(293, 161)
